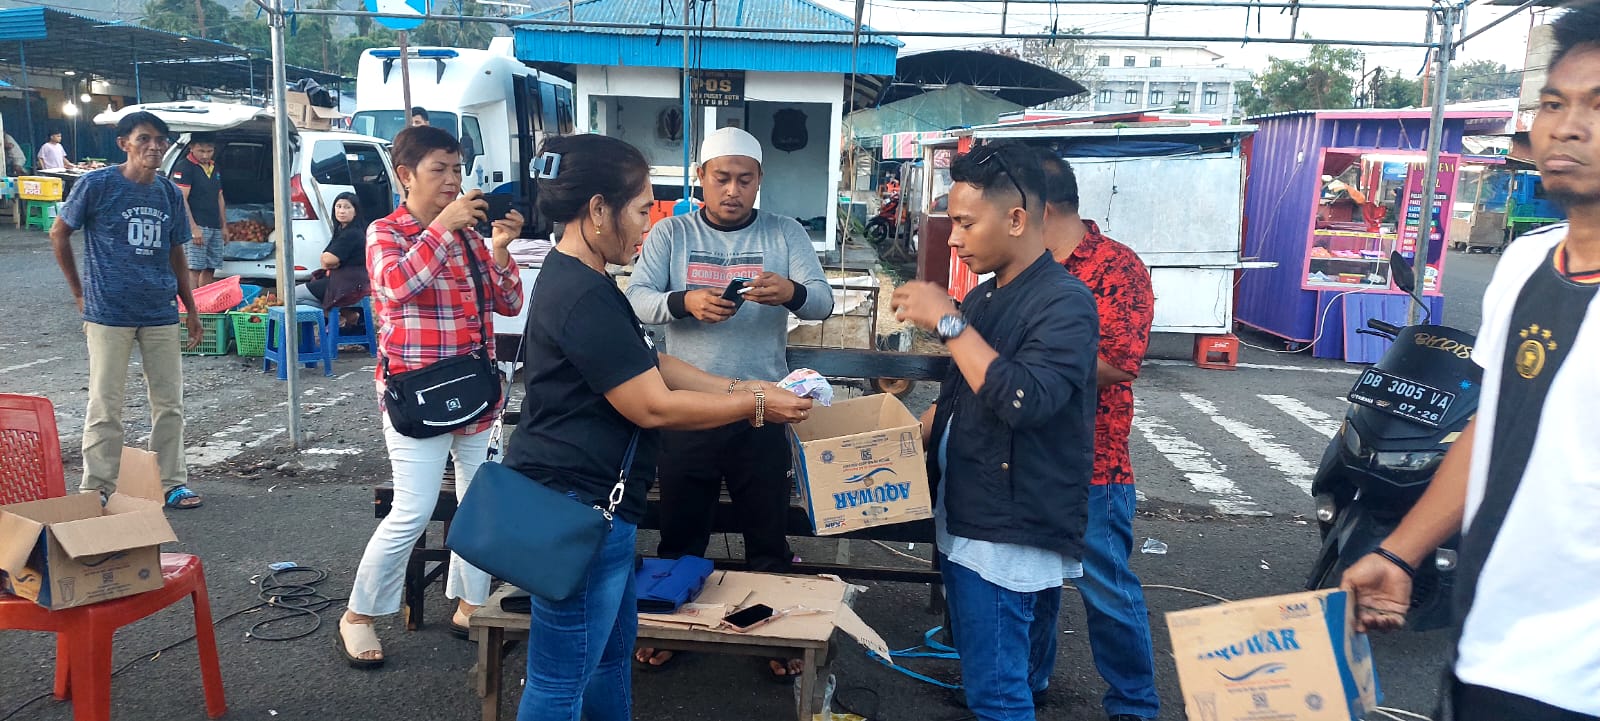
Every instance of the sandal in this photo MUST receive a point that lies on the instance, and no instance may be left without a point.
(365, 641)
(181, 497)
(655, 653)
(460, 626)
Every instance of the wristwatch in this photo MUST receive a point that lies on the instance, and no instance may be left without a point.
(951, 326)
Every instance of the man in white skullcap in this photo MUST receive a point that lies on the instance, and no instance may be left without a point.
(684, 271)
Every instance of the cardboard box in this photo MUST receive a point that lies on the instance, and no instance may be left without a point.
(859, 464)
(306, 116)
(69, 551)
(1283, 658)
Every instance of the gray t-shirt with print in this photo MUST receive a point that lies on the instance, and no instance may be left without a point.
(129, 230)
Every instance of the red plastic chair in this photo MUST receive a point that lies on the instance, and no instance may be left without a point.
(30, 470)
(30, 450)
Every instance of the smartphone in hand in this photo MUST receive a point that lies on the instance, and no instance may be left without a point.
(500, 205)
(735, 290)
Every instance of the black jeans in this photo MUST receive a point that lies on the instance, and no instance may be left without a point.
(1480, 703)
(754, 462)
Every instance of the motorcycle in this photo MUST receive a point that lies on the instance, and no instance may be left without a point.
(883, 225)
(1405, 412)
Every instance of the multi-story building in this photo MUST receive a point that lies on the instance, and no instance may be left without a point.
(1129, 75)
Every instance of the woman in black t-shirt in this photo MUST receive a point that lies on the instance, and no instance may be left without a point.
(343, 278)
(595, 383)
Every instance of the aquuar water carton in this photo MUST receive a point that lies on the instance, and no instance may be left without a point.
(1281, 658)
(859, 463)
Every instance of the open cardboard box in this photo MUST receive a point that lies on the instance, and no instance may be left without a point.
(859, 463)
(1287, 658)
(70, 551)
(306, 116)
(824, 600)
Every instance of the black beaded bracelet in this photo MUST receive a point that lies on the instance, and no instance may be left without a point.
(1391, 557)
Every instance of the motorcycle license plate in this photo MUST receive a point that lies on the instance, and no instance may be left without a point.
(1400, 397)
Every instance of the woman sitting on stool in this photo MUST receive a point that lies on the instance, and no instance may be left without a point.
(342, 280)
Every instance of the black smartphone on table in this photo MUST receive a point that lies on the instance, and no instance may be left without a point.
(748, 618)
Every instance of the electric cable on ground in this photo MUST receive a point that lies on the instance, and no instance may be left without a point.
(299, 598)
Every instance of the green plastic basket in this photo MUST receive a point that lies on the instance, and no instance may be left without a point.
(250, 333)
(216, 338)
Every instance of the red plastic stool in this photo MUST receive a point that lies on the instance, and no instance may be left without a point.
(1216, 352)
(83, 637)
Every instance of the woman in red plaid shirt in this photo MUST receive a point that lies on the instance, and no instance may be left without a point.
(428, 310)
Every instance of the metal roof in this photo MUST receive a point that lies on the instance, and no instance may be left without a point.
(47, 38)
(1011, 79)
(733, 37)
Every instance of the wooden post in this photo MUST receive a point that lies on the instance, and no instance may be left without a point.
(405, 79)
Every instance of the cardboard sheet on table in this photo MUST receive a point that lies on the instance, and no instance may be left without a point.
(736, 589)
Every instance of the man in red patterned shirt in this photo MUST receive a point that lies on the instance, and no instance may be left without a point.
(1119, 625)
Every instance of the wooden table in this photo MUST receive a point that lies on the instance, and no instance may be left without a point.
(492, 627)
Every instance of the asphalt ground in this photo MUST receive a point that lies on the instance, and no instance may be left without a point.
(1208, 446)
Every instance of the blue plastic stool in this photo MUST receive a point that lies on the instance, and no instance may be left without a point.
(367, 336)
(315, 344)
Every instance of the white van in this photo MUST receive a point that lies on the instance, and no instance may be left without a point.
(325, 163)
(499, 108)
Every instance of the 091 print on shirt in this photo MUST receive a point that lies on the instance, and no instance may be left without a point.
(145, 226)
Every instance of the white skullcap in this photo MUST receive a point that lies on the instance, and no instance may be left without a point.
(730, 141)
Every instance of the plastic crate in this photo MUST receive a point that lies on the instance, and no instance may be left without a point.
(37, 187)
(250, 333)
(216, 337)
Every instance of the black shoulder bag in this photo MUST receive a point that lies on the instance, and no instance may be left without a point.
(451, 393)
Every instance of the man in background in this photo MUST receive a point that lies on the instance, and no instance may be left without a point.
(418, 117)
(196, 175)
(1119, 624)
(51, 155)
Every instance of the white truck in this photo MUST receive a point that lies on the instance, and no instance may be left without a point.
(499, 108)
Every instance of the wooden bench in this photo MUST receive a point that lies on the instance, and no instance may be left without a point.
(492, 627)
(831, 362)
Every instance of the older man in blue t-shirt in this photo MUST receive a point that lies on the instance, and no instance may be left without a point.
(135, 227)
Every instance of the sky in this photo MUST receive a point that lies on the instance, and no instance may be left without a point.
(1505, 43)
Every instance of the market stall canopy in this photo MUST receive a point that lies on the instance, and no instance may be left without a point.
(955, 106)
(48, 39)
(1011, 79)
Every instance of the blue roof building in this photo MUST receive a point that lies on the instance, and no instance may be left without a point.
(780, 69)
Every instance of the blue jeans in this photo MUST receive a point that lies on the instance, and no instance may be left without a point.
(994, 629)
(579, 649)
(1119, 624)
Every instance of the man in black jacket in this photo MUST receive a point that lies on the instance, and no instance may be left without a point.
(1011, 437)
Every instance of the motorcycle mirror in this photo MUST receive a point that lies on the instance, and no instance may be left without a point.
(1400, 270)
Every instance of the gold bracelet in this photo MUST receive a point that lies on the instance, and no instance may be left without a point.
(733, 384)
(761, 409)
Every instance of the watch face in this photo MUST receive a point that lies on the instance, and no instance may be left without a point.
(951, 326)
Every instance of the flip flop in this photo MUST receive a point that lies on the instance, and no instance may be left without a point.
(647, 667)
(787, 677)
(180, 496)
(365, 639)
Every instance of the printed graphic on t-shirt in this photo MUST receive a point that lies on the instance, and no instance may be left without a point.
(708, 269)
(145, 228)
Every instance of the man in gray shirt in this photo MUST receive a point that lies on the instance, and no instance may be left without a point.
(687, 265)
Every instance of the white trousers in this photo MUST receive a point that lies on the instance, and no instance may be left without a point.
(418, 467)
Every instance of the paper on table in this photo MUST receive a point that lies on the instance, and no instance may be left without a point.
(690, 614)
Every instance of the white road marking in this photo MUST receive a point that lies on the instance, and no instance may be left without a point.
(1312, 418)
(1263, 366)
(29, 364)
(1203, 471)
(1294, 467)
(332, 451)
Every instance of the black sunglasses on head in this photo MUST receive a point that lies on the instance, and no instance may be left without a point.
(1004, 168)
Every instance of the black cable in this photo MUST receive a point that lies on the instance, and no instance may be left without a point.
(299, 599)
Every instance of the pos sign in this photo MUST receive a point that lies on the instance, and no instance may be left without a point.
(399, 7)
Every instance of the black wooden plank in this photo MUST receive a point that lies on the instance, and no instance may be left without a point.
(856, 363)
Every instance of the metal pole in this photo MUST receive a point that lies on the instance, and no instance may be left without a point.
(280, 210)
(27, 97)
(688, 108)
(1430, 177)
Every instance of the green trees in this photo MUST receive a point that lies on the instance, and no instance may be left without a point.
(1325, 79)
